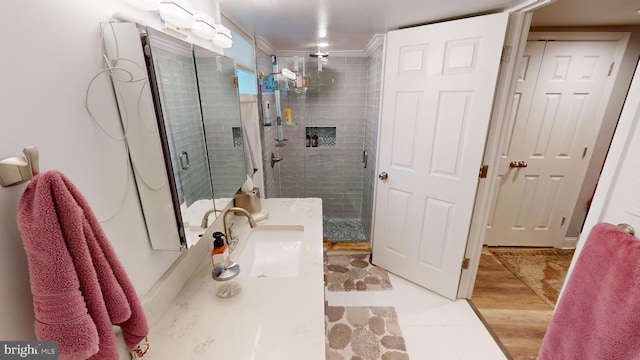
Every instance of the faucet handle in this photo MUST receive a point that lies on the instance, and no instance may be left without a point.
(230, 235)
(232, 244)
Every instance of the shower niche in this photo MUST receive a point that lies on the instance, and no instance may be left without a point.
(320, 136)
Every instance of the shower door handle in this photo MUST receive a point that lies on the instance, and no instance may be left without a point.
(383, 176)
(365, 158)
(184, 156)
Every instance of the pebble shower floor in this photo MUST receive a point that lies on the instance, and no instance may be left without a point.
(343, 230)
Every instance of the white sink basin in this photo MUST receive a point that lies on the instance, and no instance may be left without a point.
(272, 251)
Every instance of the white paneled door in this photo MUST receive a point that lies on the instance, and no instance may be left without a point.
(557, 107)
(438, 92)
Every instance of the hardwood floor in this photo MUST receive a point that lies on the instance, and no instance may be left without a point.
(515, 315)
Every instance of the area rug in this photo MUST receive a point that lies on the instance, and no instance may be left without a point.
(354, 272)
(542, 270)
(363, 333)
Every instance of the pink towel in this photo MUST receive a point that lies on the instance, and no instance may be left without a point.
(598, 315)
(79, 286)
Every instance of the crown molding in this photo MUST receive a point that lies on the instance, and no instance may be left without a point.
(264, 45)
(338, 53)
(376, 42)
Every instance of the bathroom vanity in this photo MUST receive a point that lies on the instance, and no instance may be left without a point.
(277, 316)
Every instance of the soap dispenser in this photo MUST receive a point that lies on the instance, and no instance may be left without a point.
(220, 251)
(224, 270)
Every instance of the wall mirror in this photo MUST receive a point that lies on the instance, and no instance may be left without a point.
(196, 125)
(220, 102)
(175, 89)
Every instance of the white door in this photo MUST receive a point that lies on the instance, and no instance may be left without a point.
(438, 92)
(556, 112)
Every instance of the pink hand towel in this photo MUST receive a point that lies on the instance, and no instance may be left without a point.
(79, 286)
(598, 315)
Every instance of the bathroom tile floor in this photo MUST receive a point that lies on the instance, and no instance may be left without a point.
(433, 327)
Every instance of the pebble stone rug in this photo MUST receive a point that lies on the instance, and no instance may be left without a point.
(354, 272)
(363, 333)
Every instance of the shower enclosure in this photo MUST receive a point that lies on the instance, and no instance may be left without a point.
(328, 136)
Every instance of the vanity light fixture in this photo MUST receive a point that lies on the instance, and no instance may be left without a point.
(145, 4)
(178, 13)
(204, 26)
(223, 37)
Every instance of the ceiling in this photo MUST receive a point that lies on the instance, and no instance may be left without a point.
(349, 25)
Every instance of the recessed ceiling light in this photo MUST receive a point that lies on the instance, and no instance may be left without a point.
(322, 44)
(637, 10)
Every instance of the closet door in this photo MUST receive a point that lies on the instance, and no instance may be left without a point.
(554, 127)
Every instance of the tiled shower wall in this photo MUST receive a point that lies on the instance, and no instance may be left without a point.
(344, 96)
(374, 83)
(268, 134)
(335, 98)
(221, 113)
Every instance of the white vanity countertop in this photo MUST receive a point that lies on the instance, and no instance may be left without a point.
(271, 318)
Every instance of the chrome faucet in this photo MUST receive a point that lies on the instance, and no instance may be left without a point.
(232, 240)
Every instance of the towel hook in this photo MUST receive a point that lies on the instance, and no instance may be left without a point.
(17, 169)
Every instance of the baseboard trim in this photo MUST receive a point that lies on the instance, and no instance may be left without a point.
(569, 242)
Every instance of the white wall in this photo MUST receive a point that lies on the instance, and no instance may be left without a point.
(50, 52)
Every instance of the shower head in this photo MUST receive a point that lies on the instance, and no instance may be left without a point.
(319, 54)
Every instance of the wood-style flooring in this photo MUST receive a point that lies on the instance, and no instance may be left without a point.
(346, 246)
(514, 314)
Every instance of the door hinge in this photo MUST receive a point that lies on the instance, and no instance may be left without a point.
(483, 171)
(465, 263)
(584, 152)
(564, 218)
(611, 68)
(234, 81)
(506, 55)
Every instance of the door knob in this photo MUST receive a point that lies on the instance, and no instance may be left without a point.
(383, 176)
(518, 164)
(627, 228)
